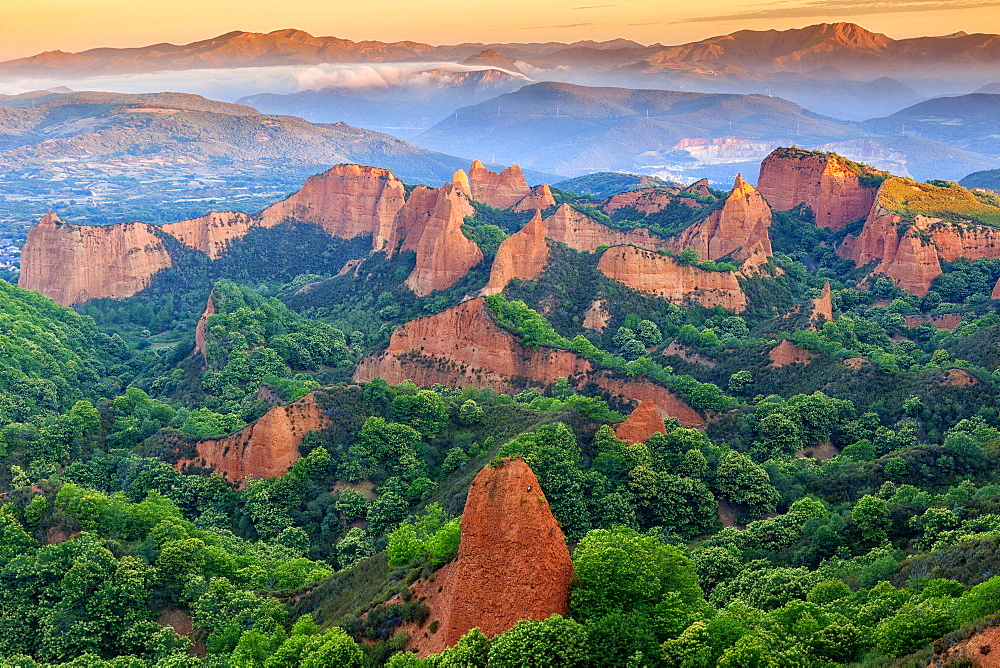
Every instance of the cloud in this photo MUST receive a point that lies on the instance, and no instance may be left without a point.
(815, 8)
(567, 25)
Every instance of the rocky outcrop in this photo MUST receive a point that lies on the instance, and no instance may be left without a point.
(578, 230)
(201, 329)
(909, 250)
(461, 182)
(699, 188)
(910, 260)
(786, 353)
(512, 563)
(823, 182)
(822, 307)
(644, 200)
(641, 423)
(463, 347)
(74, 263)
(211, 233)
(347, 201)
(539, 198)
(596, 316)
(265, 449)
(649, 271)
(740, 224)
(503, 190)
(638, 391)
(995, 294)
(522, 255)
(430, 223)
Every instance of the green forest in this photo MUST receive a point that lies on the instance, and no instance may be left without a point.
(844, 511)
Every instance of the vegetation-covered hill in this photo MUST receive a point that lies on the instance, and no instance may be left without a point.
(838, 503)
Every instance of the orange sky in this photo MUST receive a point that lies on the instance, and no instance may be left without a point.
(30, 26)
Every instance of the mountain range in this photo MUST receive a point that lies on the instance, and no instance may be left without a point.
(168, 155)
(572, 129)
(841, 67)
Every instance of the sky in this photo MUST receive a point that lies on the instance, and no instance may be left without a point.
(28, 27)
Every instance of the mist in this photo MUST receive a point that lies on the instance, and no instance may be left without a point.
(231, 84)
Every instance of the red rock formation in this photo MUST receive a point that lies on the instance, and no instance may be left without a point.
(662, 275)
(909, 260)
(699, 188)
(201, 329)
(596, 317)
(464, 347)
(430, 223)
(822, 307)
(642, 423)
(831, 190)
(644, 200)
(347, 201)
(910, 253)
(946, 321)
(211, 233)
(74, 263)
(739, 225)
(523, 255)
(638, 391)
(461, 182)
(995, 294)
(540, 197)
(512, 563)
(502, 190)
(786, 353)
(265, 449)
(578, 230)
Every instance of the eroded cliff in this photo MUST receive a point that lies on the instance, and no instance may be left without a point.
(74, 263)
(649, 271)
(430, 223)
(265, 449)
(641, 423)
(832, 188)
(463, 347)
(347, 201)
(512, 563)
(503, 190)
(522, 255)
(738, 226)
(578, 230)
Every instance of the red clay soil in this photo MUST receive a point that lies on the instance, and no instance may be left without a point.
(665, 400)
(983, 649)
(512, 564)
(947, 321)
(643, 422)
(957, 378)
(265, 449)
(182, 624)
(786, 353)
(677, 350)
(855, 362)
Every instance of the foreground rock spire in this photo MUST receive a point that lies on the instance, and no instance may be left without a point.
(512, 564)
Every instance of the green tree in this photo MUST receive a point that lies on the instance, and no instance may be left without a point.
(556, 641)
(871, 515)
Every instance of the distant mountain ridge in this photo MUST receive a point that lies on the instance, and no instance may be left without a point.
(571, 129)
(796, 50)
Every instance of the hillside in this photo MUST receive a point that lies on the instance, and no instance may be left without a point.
(170, 154)
(570, 129)
(405, 105)
(970, 122)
